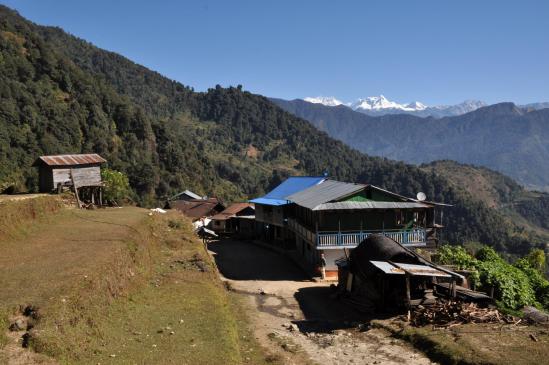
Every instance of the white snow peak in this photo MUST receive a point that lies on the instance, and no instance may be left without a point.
(373, 103)
(324, 100)
(380, 105)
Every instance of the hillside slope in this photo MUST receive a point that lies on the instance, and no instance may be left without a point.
(119, 287)
(528, 209)
(63, 95)
(503, 137)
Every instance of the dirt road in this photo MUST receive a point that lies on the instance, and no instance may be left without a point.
(296, 317)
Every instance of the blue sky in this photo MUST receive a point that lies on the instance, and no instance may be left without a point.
(432, 51)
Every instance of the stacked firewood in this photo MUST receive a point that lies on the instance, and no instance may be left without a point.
(447, 313)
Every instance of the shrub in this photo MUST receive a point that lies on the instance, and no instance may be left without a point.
(117, 186)
(513, 287)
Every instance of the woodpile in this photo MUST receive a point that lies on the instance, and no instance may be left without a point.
(447, 313)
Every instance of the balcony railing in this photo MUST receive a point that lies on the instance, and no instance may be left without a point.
(412, 237)
(351, 239)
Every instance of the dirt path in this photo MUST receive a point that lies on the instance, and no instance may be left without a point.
(297, 315)
(7, 198)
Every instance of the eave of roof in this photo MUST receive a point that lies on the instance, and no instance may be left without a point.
(279, 195)
(267, 201)
(232, 211)
(70, 160)
(410, 199)
(324, 192)
(348, 205)
(188, 193)
(413, 269)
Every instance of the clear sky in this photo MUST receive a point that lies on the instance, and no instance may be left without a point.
(438, 51)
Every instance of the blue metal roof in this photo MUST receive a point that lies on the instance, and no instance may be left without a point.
(292, 185)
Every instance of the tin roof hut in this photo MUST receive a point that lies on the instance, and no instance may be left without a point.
(81, 172)
(381, 273)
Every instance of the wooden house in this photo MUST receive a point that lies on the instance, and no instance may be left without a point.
(272, 209)
(197, 208)
(186, 195)
(62, 170)
(80, 172)
(333, 217)
(237, 220)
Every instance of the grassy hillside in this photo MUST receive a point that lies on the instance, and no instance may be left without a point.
(526, 209)
(60, 94)
(116, 286)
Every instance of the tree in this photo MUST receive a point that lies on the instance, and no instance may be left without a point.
(536, 259)
(117, 186)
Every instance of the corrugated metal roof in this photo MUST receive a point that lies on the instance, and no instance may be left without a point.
(292, 185)
(398, 268)
(409, 199)
(387, 268)
(71, 160)
(232, 211)
(265, 201)
(197, 208)
(324, 192)
(370, 205)
(189, 193)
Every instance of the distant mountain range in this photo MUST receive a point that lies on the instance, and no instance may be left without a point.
(505, 137)
(380, 105)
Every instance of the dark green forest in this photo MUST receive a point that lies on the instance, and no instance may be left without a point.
(60, 94)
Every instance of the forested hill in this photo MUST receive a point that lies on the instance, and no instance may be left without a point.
(528, 209)
(60, 94)
(503, 137)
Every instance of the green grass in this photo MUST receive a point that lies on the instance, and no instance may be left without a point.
(113, 284)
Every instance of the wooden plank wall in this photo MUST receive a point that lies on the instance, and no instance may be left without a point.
(86, 176)
(62, 176)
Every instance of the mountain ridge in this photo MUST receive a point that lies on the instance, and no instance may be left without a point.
(380, 105)
(503, 137)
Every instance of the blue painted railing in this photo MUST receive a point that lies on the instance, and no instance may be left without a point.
(415, 236)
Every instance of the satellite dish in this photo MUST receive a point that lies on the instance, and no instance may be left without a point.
(421, 196)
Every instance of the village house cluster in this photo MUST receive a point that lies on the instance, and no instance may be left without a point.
(361, 235)
(319, 220)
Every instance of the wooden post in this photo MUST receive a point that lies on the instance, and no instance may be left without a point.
(408, 297)
(339, 231)
(453, 288)
(93, 195)
(77, 198)
(383, 280)
(101, 196)
(75, 190)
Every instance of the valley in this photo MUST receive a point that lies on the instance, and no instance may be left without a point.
(503, 137)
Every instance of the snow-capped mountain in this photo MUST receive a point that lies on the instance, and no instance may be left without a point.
(380, 105)
(325, 100)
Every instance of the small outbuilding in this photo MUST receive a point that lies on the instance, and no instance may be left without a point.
(238, 219)
(186, 195)
(66, 170)
(81, 172)
(197, 209)
(381, 274)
